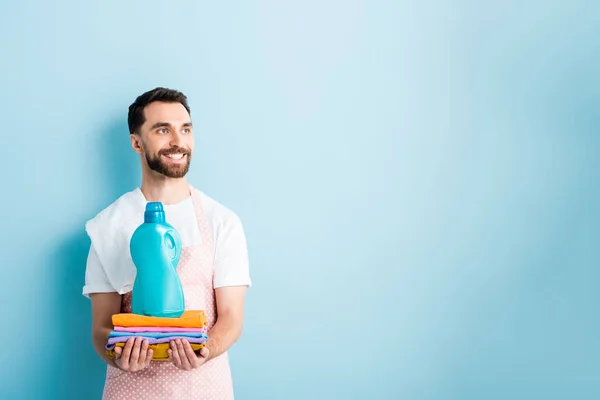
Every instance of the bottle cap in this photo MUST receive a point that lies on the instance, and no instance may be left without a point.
(154, 212)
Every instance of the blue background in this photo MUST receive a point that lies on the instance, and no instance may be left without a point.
(418, 182)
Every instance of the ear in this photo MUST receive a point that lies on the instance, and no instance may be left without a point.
(136, 143)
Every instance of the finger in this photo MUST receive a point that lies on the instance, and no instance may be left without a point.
(118, 351)
(185, 363)
(127, 353)
(190, 355)
(143, 351)
(135, 351)
(149, 357)
(175, 355)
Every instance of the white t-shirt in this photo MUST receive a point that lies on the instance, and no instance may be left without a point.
(231, 255)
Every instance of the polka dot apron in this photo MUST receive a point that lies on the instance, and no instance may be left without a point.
(162, 380)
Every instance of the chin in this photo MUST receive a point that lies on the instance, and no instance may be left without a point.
(176, 173)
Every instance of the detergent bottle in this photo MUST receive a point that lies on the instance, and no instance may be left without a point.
(155, 249)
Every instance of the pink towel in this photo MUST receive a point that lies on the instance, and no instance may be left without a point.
(157, 329)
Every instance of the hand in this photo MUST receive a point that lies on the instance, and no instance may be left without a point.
(183, 357)
(134, 356)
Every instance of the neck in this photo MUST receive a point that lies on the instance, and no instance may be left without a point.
(156, 187)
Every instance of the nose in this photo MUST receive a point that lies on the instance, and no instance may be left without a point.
(176, 139)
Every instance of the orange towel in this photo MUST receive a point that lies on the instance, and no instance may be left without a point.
(189, 319)
(160, 350)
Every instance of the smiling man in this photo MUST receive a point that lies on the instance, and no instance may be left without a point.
(213, 267)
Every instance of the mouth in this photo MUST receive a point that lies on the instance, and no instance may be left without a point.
(176, 158)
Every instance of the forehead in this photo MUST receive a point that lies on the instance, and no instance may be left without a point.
(173, 113)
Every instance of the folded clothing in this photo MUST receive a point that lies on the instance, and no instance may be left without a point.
(115, 334)
(192, 326)
(160, 350)
(189, 319)
(112, 341)
(157, 329)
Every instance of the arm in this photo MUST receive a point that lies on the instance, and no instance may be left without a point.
(135, 355)
(106, 302)
(104, 305)
(228, 328)
(231, 281)
(224, 333)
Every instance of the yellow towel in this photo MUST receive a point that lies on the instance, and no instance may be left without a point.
(160, 350)
(189, 319)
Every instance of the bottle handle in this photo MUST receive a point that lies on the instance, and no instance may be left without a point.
(171, 247)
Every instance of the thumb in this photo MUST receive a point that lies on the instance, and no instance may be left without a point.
(204, 352)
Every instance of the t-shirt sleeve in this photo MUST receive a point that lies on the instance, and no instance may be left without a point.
(231, 254)
(96, 280)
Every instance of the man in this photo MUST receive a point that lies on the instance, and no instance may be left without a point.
(213, 268)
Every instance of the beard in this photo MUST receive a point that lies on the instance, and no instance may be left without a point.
(157, 164)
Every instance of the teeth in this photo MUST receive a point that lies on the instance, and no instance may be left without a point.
(176, 156)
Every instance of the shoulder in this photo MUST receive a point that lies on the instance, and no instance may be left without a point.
(218, 215)
(110, 231)
(128, 204)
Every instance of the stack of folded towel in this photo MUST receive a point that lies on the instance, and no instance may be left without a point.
(159, 331)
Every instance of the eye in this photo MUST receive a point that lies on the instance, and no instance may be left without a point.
(162, 130)
(187, 130)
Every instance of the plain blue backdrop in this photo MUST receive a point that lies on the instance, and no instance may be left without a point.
(418, 182)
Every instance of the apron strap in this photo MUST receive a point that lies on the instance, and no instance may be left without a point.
(207, 238)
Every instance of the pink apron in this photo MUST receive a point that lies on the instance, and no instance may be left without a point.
(162, 380)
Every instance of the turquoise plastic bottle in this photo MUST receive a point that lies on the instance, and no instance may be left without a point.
(155, 249)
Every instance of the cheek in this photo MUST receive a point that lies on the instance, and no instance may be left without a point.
(155, 146)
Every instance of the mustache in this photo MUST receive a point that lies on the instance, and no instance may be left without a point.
(174, 150)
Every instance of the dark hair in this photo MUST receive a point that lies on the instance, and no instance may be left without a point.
(136, 118)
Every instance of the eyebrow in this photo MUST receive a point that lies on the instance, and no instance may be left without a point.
(166, 124)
